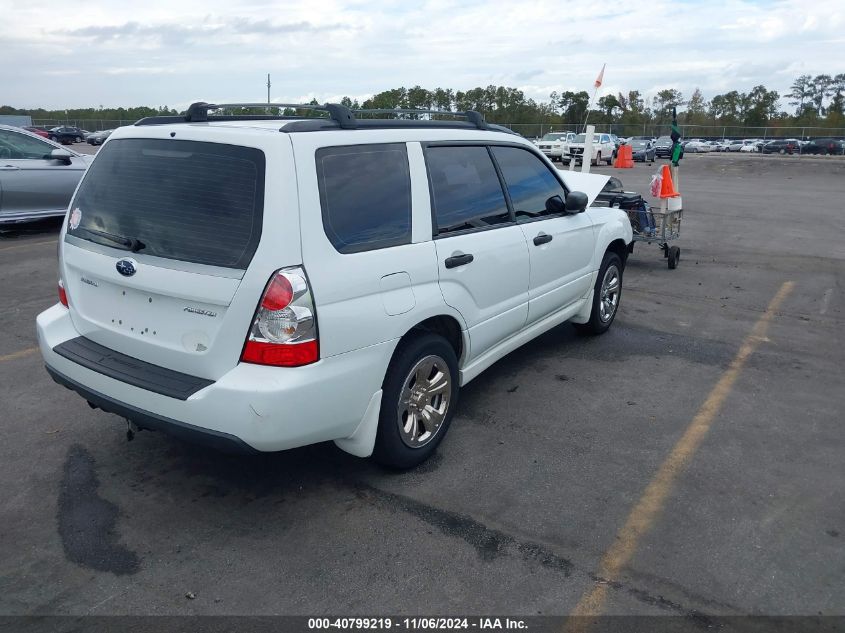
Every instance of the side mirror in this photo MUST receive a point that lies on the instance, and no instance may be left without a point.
(576, 202)
(61, 155)
(555, 205)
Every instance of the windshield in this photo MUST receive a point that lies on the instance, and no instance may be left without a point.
(582, 138)
(639, 143)
(553, 137)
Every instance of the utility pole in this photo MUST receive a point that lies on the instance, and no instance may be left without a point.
(268, 88)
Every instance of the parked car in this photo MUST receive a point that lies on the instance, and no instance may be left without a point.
(217, 312)
(697, 145)
(98, 138)
(553, 144)
(39, 131)
(782, 146)
(822, 146)
(749, 146)
(663, 147)
(37, 176)
(603, 149)
(66, 134)
(642, 150)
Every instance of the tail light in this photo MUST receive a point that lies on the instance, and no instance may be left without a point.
(62, 293)
(284, 330)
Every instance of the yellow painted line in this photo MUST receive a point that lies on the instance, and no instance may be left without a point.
(21, 354)
(650, 504)
(27, 245)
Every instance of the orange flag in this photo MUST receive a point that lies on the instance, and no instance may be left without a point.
(600, 77)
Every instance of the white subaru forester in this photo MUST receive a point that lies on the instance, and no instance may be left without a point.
(263, 283)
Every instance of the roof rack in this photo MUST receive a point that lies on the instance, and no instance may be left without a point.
(339, 116)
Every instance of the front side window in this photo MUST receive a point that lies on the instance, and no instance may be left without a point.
(16, 146)
(530, 184)
(365, 195)
(465, 190)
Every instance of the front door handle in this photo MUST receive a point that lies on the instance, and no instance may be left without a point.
(542, 238)
(458, 260)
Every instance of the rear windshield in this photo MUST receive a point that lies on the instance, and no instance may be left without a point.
(186, 200)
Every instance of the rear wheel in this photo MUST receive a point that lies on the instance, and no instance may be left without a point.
(606, 296)
(598, 159)
(420, 392)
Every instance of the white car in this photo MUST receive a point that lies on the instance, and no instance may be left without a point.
(697, 145)
(603, 149)
(749, 146)
(265, 284)
(554, 144)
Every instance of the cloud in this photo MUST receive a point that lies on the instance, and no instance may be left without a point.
(350, 47)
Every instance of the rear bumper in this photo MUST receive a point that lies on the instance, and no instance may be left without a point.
(147, 420)
(251, 407)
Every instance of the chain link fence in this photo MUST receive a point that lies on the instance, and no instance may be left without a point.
(707, 132)
(536, 130)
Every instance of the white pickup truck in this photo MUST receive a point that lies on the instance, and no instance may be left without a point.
(554, 144)
(603, 149)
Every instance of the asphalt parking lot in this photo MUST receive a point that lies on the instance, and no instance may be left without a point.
(528, 504)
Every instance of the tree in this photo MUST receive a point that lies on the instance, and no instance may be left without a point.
(696, 112)
(801, 92)
(820, 87)
(609, 105)
(759, 105)
(663, 103)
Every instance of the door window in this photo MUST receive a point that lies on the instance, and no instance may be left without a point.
(365, 194)
(17, 146)
(465, 189)
(531, 185)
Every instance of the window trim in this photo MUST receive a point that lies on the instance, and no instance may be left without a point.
(368, 246)
(37, 139)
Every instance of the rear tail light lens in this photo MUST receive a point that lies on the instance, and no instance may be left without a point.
(62, 293)
(284, 330)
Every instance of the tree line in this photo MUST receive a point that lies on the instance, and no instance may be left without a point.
(816, 102)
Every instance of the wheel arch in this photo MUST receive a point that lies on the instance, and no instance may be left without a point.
(443, 325)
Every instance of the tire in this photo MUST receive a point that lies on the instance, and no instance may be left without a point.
(600, 321)
(611, 159)
(598, 159)
(79, 139)
(402, 441)
(674, 257)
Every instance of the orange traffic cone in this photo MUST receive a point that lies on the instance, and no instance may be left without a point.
(624, 157)
(667, 187)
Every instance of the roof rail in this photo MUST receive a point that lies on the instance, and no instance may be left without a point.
(339, 116)
(198, 112)
(476, 118)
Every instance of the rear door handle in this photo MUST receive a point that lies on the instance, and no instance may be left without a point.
(458, 260)
(542, 238)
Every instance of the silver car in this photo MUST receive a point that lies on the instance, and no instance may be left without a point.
(37, 176)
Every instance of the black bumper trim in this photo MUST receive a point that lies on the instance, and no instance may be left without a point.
(145, 420)
(132, 371)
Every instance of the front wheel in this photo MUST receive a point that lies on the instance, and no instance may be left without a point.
(598, 159)
(420, 393)
(606, 296)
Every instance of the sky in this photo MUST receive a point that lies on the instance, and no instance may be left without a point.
(86, 53)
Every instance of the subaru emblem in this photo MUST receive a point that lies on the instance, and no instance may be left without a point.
(126, 267)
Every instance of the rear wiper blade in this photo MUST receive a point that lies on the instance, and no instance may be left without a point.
(127, 243)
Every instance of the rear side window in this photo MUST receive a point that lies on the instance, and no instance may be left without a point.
(185, 200)
(365, 195)
(529, 181)
(465, 190)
